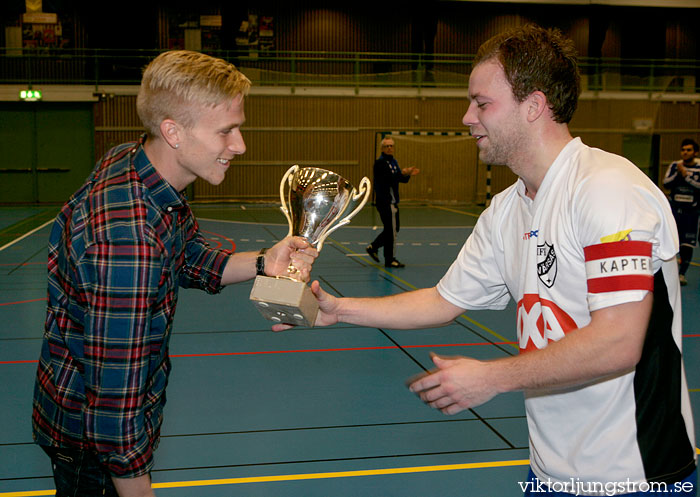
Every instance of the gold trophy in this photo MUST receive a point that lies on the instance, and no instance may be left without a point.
(315, 202)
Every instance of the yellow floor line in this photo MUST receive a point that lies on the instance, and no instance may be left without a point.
(28, 494)
(307, 476)
(489, 330)
(343, 474)
(455, 210)
(310, 476)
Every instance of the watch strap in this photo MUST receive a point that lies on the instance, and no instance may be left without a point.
(260, 263)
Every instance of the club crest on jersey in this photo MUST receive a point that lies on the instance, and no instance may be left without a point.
(546, 264)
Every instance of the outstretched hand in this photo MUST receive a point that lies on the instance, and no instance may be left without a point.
(458, 383)
(328, 308)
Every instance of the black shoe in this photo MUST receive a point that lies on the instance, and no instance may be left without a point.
(372, 253)
(394, 263)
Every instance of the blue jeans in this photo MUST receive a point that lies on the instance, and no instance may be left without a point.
(685, 488)
(79, 473)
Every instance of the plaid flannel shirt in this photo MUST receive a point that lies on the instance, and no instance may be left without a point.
(118, 251)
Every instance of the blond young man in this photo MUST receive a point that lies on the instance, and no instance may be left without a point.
(119, 250)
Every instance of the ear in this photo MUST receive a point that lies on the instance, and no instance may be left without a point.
(536, 105)
(171, 132)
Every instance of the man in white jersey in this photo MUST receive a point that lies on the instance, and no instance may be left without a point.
(586, 245)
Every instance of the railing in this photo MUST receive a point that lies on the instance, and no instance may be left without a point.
(99, 67)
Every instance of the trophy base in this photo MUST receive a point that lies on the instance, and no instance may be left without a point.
(284, 300)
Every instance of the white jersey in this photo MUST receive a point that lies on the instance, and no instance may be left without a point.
(598, 233)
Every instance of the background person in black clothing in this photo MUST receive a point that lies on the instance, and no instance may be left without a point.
(683, 180)
(387, 176)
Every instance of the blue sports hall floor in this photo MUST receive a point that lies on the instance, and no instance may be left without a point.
(307, 412)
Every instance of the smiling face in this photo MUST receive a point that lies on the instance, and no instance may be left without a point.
(494, 116)
(206, 149)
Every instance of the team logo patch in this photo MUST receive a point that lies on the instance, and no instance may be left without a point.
(617, 266)
(546, 264)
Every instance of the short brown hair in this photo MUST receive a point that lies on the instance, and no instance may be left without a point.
(534, 58)
(691, 142)
(176, 82)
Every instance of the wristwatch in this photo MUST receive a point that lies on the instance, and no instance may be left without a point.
(260, 263)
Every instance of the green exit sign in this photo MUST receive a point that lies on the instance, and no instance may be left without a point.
(30, 95)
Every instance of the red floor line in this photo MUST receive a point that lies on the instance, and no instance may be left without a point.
(345, 349)
(22, 302)
(300, 351)
(10, 264)
(233, 244)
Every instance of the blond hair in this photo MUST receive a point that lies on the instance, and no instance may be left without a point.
(178, 82)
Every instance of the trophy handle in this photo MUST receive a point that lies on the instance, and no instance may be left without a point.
(364, 189)
(287, 180)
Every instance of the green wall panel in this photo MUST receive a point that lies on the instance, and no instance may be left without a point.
(46, 150)
(16, 181)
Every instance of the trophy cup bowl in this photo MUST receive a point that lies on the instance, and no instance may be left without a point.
(316, 202)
